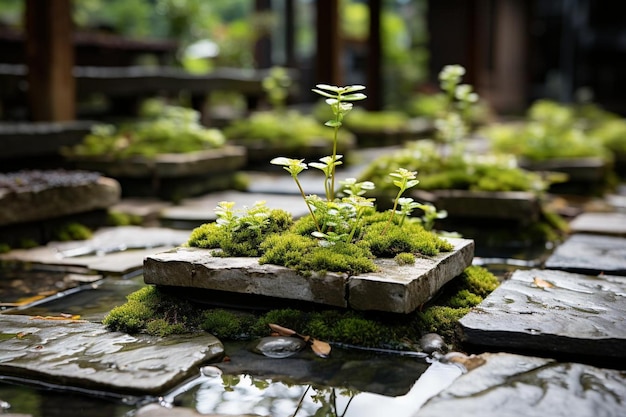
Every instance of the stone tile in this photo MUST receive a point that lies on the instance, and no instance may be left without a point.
(552, 312)
(396, 288)
(600, 223)
(202, 209)
(513, 385)
(52, 202)
(590, 254)
(118, 250)
(402, 289)
(85, 355)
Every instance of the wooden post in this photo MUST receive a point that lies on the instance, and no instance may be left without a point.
(263, 45)
(374, 58)
(328, 61)
(50, 60)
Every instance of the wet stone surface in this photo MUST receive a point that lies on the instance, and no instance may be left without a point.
(553, 312)
(600, 223)
(590, 254)
(118, 250)
(393, 288)
(57, 199)
(81, 354)
(513, 385)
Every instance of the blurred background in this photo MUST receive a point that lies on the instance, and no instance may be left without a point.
(515, 51)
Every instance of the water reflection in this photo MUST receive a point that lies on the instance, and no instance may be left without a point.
(245, 394)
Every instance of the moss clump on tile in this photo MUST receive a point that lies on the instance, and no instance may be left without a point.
(153, 311)
(118, 218)
(72, 231)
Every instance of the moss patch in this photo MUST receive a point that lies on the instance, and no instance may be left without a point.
(153, 311)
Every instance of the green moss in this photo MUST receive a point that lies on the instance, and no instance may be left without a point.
(411, 237)
(404, 258)
(457, 171)
(442, 320)
(288, 129)
(118, 218)
(224, 324)
(162, 129)
(27, 243)
(153, 311)
(4, 248)
(72, 231)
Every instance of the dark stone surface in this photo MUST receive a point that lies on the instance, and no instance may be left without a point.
(553, 312)
(512, 386)
(590, 254)
(600, 223)
(81, 354)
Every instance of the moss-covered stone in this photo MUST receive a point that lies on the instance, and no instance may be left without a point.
(153, 311)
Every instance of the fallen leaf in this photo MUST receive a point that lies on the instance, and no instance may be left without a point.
(282, 331)
(71, 317)
(541, 283)
(320, 348)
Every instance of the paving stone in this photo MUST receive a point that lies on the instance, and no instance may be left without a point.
(395, 288)
(117, 250)
(202, 209)
(513, 385)
(155, 410)
(590, 254)
(28, 206)
(82, 354)
(600, 223)
(552, 312)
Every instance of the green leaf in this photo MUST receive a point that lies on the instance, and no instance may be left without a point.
(333, 123)
(354, 97)
(324, 93)
(330, 88)
(352, 88)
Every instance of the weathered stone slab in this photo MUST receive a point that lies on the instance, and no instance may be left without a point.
(227, 159)
(86, 355)
(590, 254)
(116, 250)
(202, 209)
(600, 223)
(513, 385)
(396, 288)
(510, 205)
(197, 268)
(402, 289)
(552, 311)
(51, 202)
(585, 170)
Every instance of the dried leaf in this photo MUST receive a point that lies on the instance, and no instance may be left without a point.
(320, 348)
(74, 317)
(541, 283)
(283, 331)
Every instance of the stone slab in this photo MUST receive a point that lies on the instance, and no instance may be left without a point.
(600, 223)
(85, 355)
(202, 209)
(581, 170)
(117, 250)
(402, 289)
(552, 311)
(590, 254)
(52, 202)
(512, 385)
(505, 205)
(398, 289)
(227, 159)
(197, 268)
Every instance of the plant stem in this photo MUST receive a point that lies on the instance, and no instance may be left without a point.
(332, 172)
(307, 204)
(393, 211)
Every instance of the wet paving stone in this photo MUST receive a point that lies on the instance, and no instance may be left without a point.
(77, 353)
(514, 385)
(555, 313)
(600, 223)
(119, 250)
(590, 254)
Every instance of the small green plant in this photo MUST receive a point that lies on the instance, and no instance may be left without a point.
(276, 85)
(342, 234)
